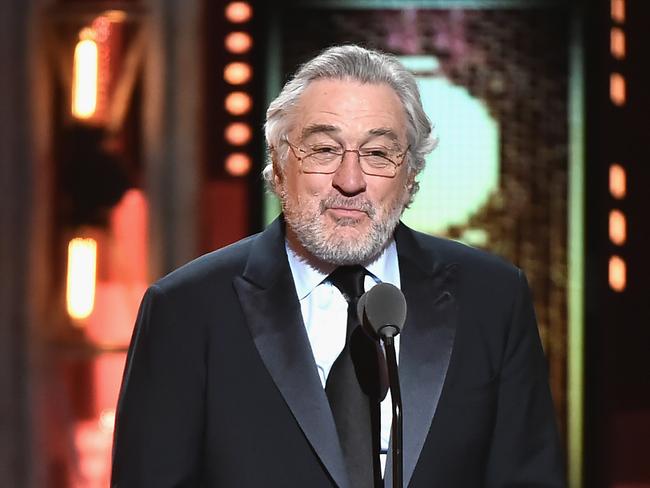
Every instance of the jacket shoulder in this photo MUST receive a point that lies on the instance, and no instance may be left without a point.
(213, 267)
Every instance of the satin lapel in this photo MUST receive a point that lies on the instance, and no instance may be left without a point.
(267, 294)
(425, 345)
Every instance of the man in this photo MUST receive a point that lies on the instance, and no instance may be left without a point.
(235, 369)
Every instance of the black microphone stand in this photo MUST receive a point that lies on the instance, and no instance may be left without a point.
(388, 337)
(382, 312)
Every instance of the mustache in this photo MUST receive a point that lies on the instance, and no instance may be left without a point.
(353, 203)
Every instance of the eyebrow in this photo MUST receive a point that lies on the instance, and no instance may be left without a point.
(319, 128)
(384, 131)
(332, 129)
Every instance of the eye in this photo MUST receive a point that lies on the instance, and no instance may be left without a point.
(375, 152)
(325, 149)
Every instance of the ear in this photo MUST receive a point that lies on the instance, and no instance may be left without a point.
(410, 180)
(278, 174)
(409, 184)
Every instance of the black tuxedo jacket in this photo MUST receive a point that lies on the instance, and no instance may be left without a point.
(221, 388)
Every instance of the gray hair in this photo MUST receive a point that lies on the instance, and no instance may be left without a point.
(350, 63)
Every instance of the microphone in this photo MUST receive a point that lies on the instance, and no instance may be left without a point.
(382, 313)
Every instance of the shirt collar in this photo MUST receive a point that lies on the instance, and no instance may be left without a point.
(384, 268)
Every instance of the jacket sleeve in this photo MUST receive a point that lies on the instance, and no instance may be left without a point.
(525, 449)
(159, 421)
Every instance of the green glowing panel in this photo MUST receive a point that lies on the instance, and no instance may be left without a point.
(420, 63)
(463, 171)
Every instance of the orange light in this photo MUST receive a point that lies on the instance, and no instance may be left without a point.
(238, 103)
(617, 227)
(84, 76)
(618, 10)
(116, 16)
(617, 181)
(80, 283)
(617, 273)
(237, 73)
(617, 42)
(107, 420)
(238, 42)
(617, 89)
(238, 133)
(238, 12)
(238, 164)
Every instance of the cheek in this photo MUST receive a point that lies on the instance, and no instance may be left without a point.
(304, 192)
(391, 191)
(313, 186)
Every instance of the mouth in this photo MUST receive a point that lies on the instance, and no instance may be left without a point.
(346, 212)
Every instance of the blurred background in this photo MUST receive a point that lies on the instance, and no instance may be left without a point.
(131, 142)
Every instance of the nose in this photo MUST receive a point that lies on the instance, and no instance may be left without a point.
(348, 178)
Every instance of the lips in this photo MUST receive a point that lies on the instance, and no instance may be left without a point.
(347, 207)
(347, 211)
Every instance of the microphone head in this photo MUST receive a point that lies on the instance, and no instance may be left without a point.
(384, 309)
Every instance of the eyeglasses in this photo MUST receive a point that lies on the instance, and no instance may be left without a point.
(326, 159)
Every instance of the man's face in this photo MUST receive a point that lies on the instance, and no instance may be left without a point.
(345, 217)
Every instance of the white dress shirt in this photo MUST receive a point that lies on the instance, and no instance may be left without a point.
(325, 313)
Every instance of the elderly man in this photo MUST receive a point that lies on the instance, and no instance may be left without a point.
(248, 368)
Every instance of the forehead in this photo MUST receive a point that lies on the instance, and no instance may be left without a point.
(353, 109)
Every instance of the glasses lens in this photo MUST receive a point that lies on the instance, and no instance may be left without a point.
(374, 164)
(322, 160)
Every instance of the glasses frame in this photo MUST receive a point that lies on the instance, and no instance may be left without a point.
(295, 148)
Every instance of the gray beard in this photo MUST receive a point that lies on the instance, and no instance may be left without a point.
(312, 235)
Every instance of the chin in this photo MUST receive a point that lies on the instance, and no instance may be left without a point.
(349, 225)
(348, 240)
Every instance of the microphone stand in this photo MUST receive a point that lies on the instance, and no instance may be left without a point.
(382, 310)
(396, 396)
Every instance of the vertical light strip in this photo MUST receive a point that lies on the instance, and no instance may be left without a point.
(575, 331)
(80, 283)
(84, 78)
(238, 73)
